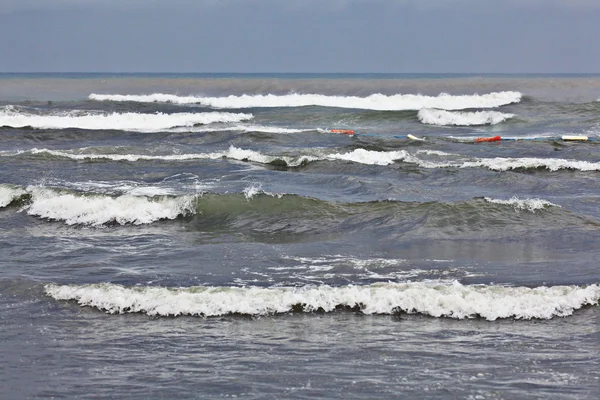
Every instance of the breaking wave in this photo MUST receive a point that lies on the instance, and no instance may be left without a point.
(9, 194)
(373, 102)
(444, 118)
(97, 210)
(436, 299)
(130, 121)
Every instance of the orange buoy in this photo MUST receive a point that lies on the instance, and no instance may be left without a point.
(346, 131)
(488, 139)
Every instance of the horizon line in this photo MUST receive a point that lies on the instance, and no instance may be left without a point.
(297, 73)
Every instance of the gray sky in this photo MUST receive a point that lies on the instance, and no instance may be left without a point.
(300, 36)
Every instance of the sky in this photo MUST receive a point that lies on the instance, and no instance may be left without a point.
(319, 36)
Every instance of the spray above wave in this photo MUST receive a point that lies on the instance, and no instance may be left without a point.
(138, 122)
(445, 118)
(373, 102)
(428, 298)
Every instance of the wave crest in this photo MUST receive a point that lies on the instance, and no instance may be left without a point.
(10, 194)
(97, 210)
(445, 118)
(435, 299)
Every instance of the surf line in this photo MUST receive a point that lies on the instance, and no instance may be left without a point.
(565, 138)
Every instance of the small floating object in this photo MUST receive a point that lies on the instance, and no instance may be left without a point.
(345, 131)
(413, 137)
(488, 139)
(574, 137)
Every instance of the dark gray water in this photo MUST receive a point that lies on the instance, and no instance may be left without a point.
(207, 236)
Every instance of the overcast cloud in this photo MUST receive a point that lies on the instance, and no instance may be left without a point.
(300, 36)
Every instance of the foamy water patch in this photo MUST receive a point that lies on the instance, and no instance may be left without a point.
(137, 122)
(452, 300)
(531, 205)
(378, 101)
(178, 184)
(10, 193)
(352, 268)
(445, 118)
(97, 210)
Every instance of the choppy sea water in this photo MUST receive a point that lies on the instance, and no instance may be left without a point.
(207, 236)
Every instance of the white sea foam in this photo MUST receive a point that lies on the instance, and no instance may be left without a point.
(9, 193)
(436, 299)
(444, 118)
(373, 102)
(531, 205)
(96, 210)
(371, 157)
(118, 121)
(253, 190)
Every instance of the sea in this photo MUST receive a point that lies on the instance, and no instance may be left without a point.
(299, 236)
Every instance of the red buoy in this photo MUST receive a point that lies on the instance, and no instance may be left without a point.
(488, 139)
(346, 131)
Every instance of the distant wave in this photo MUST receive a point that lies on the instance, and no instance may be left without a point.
(116, 121)
(444, 118)
(373, 102)
(243, 128)
(423, 158)
(436, 299)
